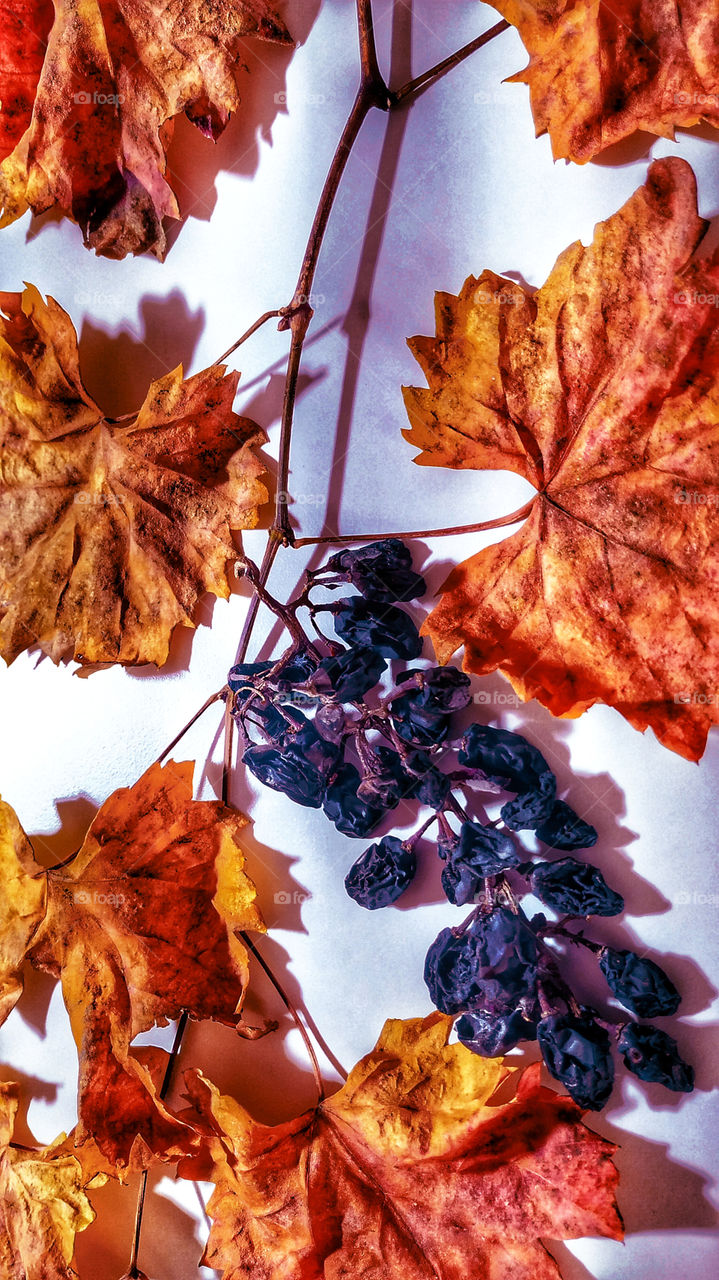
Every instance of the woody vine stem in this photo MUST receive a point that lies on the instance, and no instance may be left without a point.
(295, 317)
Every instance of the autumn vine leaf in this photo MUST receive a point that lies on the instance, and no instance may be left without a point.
(110, 531)
(407, 1172)
(599, 72)
(602, 390)
(88, 98)
(43, 1203)
(140, 926)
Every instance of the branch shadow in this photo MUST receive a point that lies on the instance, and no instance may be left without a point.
(357, 319)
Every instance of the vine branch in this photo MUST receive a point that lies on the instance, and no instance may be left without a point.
(296, 317)
(414, 87)
(481, 527)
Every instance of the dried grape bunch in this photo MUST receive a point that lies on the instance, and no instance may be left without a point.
(320, 725)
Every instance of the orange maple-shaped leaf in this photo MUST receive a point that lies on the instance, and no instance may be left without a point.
(407, 1173)
(598, 72)
(602, 389)
(87, 100)
(42, 1203)
(110, 531)
(140, 926)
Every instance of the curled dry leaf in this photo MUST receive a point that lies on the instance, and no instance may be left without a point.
(110, 531)
(602, 390)
(407, 1172)
(598, 72)
(88, 93)
(140, 926)
(42, 1204)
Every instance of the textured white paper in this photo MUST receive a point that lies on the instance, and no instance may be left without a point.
(452, 185)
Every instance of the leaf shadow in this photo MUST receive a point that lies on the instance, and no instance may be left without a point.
(569, 1265)
(75, 813)
(194, 163)
(628, 151)
(118, 366)
(677, 1200)
(31, 1089)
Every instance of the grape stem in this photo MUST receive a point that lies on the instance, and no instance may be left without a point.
(482, 526)
(414, 87)
(286, 613)
(133, 1271)
(559, 930)
(296, 318)
(413, 839)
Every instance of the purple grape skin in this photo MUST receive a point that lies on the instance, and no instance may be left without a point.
(639, 983)
(490, 1035)
(577, 1052)
(388, 553)
(653, 1056)
(481, 851)
(388, 630)
(508, 759)
(574, 888)
(288, 771)
(351, 674)
(381, 874)
(564, 829)
(415, 724)
(491, 965)
(441, 689)
(351, 814)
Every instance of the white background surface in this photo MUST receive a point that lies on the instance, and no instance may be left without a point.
(455, 184)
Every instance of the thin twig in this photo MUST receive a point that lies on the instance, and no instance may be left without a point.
(296, 317)
(271, 548)
(414, 87)
(300, 310)
(482, 527)
(291, 1010)
(286, 613)
(227, 753)
(249, 332)
(182, 1021)
(213, 698)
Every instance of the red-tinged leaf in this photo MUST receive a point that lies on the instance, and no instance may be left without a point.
(140, 927)
(602, 389)
(409, 1172)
